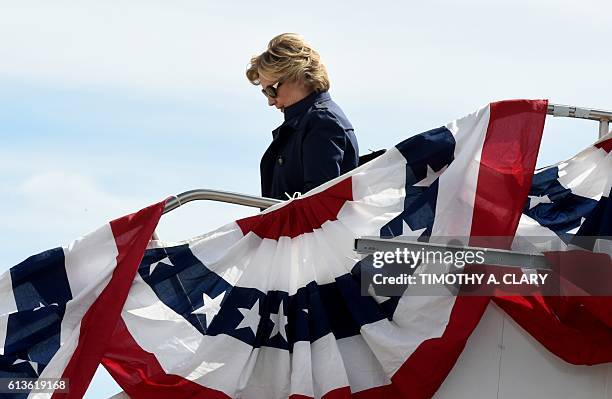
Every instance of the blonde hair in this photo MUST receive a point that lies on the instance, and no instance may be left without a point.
(289, 58)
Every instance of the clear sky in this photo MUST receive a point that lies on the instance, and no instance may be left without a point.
(106, 107)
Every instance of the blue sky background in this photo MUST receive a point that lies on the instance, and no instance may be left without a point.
(106, 107)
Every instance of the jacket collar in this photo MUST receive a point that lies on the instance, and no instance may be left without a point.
(301, 106)
(295, 111)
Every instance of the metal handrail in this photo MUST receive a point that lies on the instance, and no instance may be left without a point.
(570, 111)
(220, 196)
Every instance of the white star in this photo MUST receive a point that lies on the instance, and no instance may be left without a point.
(154, 265)
(431, 177)
(408, 232)
(379, 299)
(250, 318)
(210, 308)
(280, 322)
(575, 229)
(33, 364)
(41, 305)
(35, 367)
(535, 201)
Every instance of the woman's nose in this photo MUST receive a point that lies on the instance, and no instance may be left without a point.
(271, 101)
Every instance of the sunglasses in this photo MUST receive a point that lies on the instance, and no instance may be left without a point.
(272, 90)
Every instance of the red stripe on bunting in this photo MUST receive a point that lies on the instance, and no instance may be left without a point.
(605, 145)
(507, 162)
(140, 375)
(132, 233)
(575, 325)
(302, 215)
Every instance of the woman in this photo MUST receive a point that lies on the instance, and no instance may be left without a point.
(316, 142)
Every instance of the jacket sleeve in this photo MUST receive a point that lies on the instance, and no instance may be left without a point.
(322, 149)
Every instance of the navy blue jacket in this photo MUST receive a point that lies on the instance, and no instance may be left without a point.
(315, 144)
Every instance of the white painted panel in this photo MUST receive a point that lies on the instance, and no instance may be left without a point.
(530, 371)
(476, 373)
(525, 369)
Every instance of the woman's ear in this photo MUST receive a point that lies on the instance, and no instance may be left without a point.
(307, 78)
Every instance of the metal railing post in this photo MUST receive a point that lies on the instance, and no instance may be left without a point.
(604, 127)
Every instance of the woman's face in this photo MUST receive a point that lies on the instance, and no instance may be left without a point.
(288, 93)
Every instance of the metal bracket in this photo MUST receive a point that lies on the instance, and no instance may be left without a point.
(494, 257)
(604, 117)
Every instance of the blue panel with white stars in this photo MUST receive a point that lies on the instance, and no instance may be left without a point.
(41, 291)
(179, 278)
(427, 156)
(568, 215)
(272, 319)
